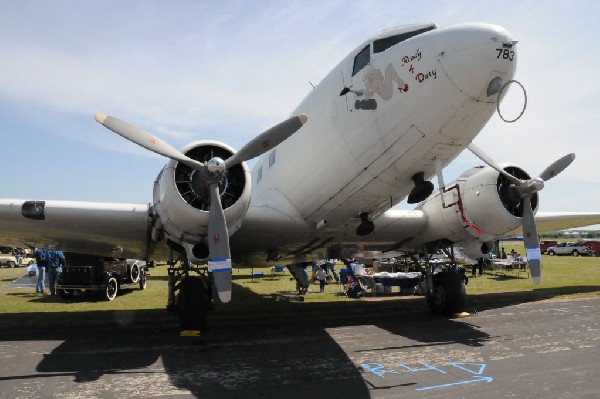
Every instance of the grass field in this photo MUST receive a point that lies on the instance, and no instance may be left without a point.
(252, 298)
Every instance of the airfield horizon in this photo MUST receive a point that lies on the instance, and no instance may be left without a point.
(257, 300)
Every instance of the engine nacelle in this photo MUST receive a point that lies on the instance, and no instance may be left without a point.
(480, 206)
(182, 199)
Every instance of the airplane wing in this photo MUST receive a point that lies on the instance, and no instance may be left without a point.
(556, 221)
(82, 227)
(396, 230)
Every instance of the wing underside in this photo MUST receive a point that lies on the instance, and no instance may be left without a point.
(121, 230)
(395, 230)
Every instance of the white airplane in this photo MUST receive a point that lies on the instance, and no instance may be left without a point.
(387, 118)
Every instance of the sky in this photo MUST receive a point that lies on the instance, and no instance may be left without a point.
(227, 70)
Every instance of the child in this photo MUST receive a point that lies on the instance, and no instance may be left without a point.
(321, 276)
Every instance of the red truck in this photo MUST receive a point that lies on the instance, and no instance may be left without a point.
(594, 245)
(545, 244)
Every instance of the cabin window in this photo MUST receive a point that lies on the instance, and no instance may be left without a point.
(272, 158)
(361, 60)
(260, 175)
(387, 42)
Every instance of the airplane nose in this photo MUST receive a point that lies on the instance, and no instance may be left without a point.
(474, 56)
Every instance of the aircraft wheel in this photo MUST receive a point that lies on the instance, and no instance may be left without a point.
(449, 294)
(143, 281)
(192, 304)
(112, 287)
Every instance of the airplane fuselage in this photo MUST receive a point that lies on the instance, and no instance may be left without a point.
(405, 105)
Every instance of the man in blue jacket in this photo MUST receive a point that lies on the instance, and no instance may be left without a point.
(40, 258)
(55, 260)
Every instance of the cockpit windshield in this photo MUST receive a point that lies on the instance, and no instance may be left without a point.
(385, 43)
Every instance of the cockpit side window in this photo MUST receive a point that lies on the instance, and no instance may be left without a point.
(361, 60)
(381, 45)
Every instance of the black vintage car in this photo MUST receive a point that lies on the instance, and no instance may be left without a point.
(105, 275)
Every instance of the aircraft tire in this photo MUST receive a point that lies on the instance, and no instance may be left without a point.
(112, 287)
(192, 304)
(142, 281)
(449, 296)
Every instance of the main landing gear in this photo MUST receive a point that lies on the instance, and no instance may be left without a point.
(446, 293)
(190, 294)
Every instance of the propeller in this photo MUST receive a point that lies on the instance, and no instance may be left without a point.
(213, 172)
(519, 194)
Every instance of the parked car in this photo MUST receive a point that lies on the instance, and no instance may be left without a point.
(104, 275)
(545, 244)
(8, 260)
(570, 248)
(594, 246)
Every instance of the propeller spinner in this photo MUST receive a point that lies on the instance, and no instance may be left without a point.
(213, 171)
(523, 190)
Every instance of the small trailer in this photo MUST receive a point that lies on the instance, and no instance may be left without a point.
(104, 275)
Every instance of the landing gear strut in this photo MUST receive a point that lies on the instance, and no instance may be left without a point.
(190, 292)
(446, 293)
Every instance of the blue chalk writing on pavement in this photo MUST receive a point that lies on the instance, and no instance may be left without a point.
(427, 367)
(465, 366)
(378, 369)
(479, 379)
(475, 369)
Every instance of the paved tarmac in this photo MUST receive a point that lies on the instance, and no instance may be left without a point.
(547, 349)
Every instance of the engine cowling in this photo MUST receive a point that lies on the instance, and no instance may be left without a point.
(480, 206)
(182, 199)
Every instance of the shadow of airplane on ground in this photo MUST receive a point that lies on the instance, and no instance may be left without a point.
(280, 349)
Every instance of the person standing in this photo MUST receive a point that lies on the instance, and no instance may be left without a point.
(321, 276)
(331, 264)
(55, 260)
(40, 258)
(480, 263)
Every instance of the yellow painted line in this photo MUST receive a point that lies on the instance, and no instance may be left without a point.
(189, 333)
(462, 314)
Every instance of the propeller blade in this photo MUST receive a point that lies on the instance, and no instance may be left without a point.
(267, 140)
(146, 140)
(218, 245)
(479, 153)
(532, 242)
(557, 166)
